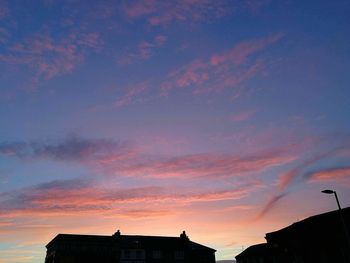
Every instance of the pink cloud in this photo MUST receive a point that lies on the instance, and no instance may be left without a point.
(167, 12)
(240, 53)
(290, 176)
(66, 198)
(163, 13)
(122, 159)
(133, 94)
(209, 165)
(49, 57)
(144, 213)
(337, 173)
(242, 116)
(221, 71)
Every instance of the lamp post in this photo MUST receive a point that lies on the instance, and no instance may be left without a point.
(327, 191)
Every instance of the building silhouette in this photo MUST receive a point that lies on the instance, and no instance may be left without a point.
(320, 238)
(69, 248)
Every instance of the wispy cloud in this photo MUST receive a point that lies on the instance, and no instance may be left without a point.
(123, 159)
(329, 174)
(50, 56)
(220, 71)
(77, 196)
(242, 116)
(133, 94)
(162, 13)
(296, 173)
(300, 174)
(209, 165)
(144, 50)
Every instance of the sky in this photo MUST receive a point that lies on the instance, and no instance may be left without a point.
(223, 118)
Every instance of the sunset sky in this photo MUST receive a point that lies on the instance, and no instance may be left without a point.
(224, 118)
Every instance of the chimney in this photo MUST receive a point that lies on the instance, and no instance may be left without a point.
(183, 236)
(117, 234)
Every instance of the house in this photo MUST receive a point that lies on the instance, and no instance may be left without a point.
(260, 253)
(68, 248)
(320, 238)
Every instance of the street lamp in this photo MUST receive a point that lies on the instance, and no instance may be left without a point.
(327, 191)
(336, 198)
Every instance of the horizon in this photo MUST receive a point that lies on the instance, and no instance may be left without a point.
(222, 118)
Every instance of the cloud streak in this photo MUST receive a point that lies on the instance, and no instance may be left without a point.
(163, 13)
(133, 94)
(242, 116)
(205, 165)
(270, 204)
(290, 176)
(221, 71)
(329, 174)
(298, 172)
(121, 159)
(69, 149)
(79, 196)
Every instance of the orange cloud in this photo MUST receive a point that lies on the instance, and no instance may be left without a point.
(329, 174)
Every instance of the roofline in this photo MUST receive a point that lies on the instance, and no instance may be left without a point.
(61, 235)
(250, 247)
(84, 235)
(306, 220)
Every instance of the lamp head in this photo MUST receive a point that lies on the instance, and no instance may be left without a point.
(327, 191)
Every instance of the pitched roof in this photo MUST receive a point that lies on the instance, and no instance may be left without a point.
(132, 241)
(257, 249)
(315, 223)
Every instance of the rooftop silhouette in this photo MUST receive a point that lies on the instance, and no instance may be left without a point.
(126, 248)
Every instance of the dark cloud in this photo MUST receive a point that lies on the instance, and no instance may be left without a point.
(69, 149)
(270, 204)
(76, 183)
